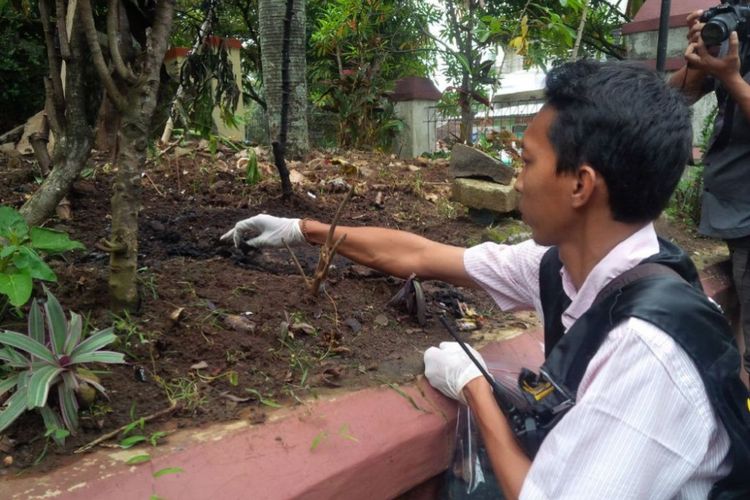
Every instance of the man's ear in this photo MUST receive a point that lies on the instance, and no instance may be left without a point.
(587, 183)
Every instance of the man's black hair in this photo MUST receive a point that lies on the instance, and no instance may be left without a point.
(626, 123)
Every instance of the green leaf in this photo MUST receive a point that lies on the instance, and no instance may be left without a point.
(27, 344)
(131, 441)
(68, 405)
(8, 383)
(319, 438)
(8, 250)
(17, 287)
(13, 358)
(11, 223)
(168, 470)
(36, 322)
(96, 341)
(14, 407)
(53, 241)
(29, 260)
(53, 425)
(267, 402)
(75, 327)
(39, 385)
(138, 459)
(58, 327)
(109, 357)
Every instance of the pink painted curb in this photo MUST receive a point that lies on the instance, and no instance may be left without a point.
(372, 443)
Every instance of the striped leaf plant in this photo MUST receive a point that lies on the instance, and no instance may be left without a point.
(51, 356)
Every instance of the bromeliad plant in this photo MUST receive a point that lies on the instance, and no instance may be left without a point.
(20, 259)
(51, 355)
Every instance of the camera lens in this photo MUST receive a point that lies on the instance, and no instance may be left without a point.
(714, 32)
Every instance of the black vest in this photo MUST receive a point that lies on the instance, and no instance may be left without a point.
(678, 307)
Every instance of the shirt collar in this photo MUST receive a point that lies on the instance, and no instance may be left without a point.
(626, 255)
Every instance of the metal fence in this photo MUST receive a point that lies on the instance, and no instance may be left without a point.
(513, 116)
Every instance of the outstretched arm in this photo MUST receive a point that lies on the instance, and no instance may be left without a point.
(394, 252)
(398, 253)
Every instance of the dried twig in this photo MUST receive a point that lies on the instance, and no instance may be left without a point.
(296, 262)
(328, 250)
(145, 174)
(115, 432)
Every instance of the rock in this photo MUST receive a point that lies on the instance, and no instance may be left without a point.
(353, 324)
(479, 194)
(381, 320)
(470, 162)
(239, 323)
(295, 177)
(33, 124)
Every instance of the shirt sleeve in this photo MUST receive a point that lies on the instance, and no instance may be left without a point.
(508, 273)
(642, 427)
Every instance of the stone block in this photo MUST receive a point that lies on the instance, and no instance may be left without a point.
(470, 162)
(479, 194)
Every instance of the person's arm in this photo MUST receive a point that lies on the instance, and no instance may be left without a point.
(726, 69)
(689, 80)
(397, 253)
(394, 252)
(450, 371)
(509, 462)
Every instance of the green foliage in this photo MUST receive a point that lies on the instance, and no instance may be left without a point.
(21, 250)
(357, 51)
(51, 354)
(685, 203)
(23, 65)
(252, 174)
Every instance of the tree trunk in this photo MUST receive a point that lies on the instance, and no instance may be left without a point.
(271, 15)
(132, 140)
(72, 143)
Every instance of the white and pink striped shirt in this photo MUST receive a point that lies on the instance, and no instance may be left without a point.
(642, 427)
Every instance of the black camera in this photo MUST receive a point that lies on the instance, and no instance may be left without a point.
(721, 20)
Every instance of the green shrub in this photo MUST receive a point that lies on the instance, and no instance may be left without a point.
(52, 354)
(21, 250)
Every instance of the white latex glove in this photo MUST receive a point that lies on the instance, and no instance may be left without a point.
(449, 369)
(272, 231)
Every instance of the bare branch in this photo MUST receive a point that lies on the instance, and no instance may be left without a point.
(56, 95)
(87, 19)
(62, 32)
(113, 32)
(296, 263)
(328, 250)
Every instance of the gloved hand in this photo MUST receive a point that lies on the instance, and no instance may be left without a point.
(272, 231)
(449, 369)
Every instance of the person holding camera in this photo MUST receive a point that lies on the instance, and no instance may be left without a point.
(656, 409)
(718, 60)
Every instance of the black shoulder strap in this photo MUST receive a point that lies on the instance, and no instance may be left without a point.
(554, 300)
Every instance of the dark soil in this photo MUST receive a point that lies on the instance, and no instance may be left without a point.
(231, 345)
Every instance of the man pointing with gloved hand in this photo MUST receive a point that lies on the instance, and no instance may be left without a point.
(658, 410)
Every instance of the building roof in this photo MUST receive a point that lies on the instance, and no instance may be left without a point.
(412, 88)
(647, 17)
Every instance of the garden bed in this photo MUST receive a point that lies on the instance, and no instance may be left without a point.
(230, 336)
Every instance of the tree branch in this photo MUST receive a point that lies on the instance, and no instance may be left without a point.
(62, 33)
(92, 38)
(113, 14)
(53, 84)
(328, 250)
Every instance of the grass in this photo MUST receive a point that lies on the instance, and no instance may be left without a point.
(183, 390)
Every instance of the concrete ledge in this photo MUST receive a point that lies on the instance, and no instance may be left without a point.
(373, 443)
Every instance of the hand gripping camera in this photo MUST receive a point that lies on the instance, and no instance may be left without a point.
(721, 20)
